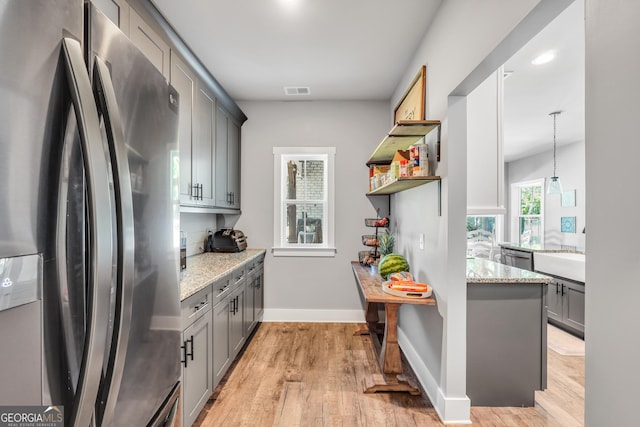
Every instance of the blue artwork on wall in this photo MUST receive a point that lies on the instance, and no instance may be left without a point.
(568, 224)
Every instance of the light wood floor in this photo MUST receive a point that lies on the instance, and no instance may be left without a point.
(310, 374)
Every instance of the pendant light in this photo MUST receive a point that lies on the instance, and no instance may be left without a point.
(554, 186)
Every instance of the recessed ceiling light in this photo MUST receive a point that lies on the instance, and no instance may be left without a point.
(544, 58)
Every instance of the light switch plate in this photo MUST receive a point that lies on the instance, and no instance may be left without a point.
(421, 243)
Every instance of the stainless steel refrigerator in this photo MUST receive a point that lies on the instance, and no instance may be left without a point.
(89, 297)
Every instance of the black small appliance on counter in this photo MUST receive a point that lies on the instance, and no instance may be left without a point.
(226, 240)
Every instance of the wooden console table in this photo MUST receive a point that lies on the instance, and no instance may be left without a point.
(370, 288)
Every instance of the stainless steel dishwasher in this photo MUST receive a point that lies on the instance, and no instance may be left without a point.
(516, 258)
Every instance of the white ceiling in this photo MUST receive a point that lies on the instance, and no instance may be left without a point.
(534, 91)
(341, 49)
(359, 50)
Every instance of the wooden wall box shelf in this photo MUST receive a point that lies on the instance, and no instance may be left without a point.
(402, 184)
(404, 134)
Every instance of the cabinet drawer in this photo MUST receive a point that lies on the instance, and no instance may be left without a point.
(221, 288)
(195, 306)
(255, 266)
(238, 275)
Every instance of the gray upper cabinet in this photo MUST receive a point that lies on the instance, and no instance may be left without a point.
(117, 11)
(197, 137)
(150, 43)
(183, 80)
(227, 161)
(210, 121)
(202, 161)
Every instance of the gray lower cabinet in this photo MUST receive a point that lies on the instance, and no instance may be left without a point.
(213, 337)
(565, 305)
(236, 320)
(506, 343)
(254, 295)
(196, 350)
(221, 349)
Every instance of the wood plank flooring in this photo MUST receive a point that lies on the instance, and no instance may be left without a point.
(310, 374)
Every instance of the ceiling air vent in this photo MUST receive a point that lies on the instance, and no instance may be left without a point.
(297, 90)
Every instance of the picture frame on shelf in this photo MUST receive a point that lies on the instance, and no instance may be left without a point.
(412, 104)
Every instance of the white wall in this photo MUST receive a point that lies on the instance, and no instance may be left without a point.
(467, 41)
(484, 148)
(319, 289)
(612, 152)
(571, 170)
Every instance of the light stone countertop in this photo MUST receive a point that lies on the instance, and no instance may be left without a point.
(203, 269)
(542, 248)
(484, 271)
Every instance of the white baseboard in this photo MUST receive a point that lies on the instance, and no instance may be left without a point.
(321, 316)
(451, 410)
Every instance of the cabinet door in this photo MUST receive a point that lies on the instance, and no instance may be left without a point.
(183, 80)
(204, 145)
(574, 305)
(554, 301)
(259, 297)
(221, 350)
(249, 313)
(222, 194)
(236, 322)
(233, 164)
(149, 43)
(196, 368)
(117, 11)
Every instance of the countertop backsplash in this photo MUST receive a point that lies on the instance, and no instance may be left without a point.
(196, 226)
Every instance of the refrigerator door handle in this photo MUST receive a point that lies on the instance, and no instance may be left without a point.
(99, 229)
(106, 98)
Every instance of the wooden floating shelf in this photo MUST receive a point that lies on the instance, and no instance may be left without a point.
(404, 134)
(403, 184)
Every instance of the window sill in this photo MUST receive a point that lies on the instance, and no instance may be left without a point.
(304, 252)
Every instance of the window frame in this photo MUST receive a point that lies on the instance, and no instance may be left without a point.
(281, 155)
(515, 208)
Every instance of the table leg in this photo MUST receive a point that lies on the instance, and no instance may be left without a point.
(390, 360)
(371, 316)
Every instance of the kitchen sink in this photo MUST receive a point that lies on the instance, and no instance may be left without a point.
(569, 265)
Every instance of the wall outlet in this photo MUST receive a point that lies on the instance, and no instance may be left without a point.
(421, 241)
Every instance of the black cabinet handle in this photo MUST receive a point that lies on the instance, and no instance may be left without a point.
(185, 355)
(194, 191)
(557, 288)
(190, 340)
(192, 348)
(562, 290)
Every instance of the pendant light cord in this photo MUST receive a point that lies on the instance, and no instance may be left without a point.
(554, 114)
(554, 144)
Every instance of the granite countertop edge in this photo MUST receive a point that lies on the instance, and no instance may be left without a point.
(547, 248)
(204, 269)
(482, 271)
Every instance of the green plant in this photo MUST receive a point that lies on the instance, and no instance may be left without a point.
(385, 243)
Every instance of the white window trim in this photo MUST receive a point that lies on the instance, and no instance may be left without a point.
(515, 207)
(325, 249)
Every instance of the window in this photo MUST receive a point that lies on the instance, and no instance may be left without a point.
(483, 234)
(527, 206)
(303, 201)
